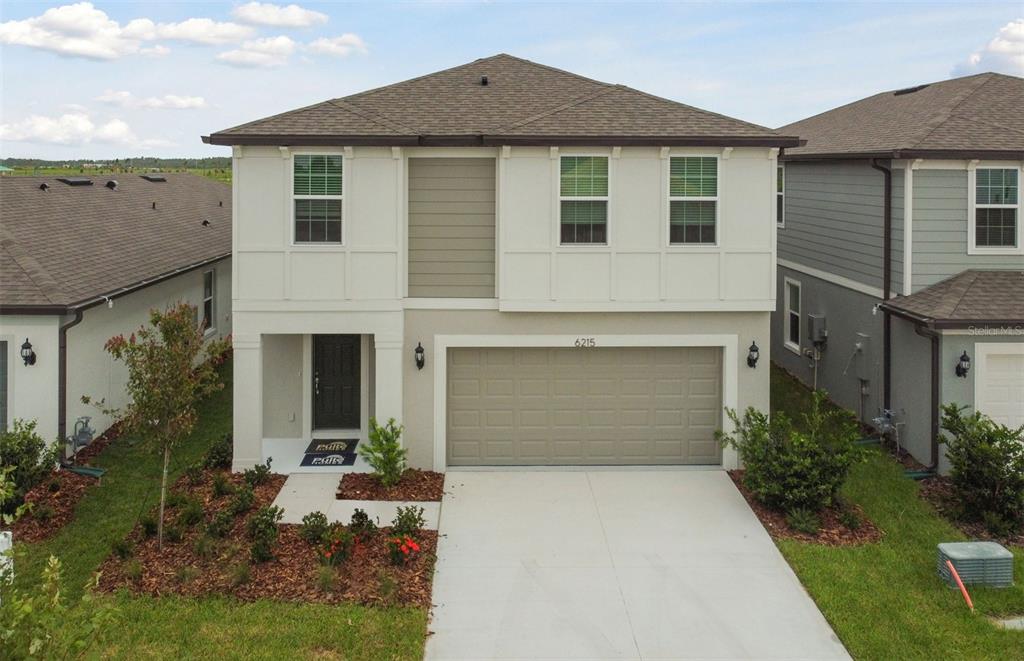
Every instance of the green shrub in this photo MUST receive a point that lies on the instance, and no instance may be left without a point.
(262, 531)
(258, 474)
(239, 574)
(31, 460)
(194, 474)
(314, 527)
(176, 498)
(54, 486)
(387, 588)
(361, 525)
(149, 526)
(133, 571)
(384, 452)
(186, 573)
(220, 453)
(190, 513)
(222, 485)
(789, 468)
(204, 547)
(337, 546)
(242, 501)
(849, 519)
(122, 548)
(221, 523)
(42, 511)
(173, 534)
(802, 519)
(326, 578)
(986, 467)
(408, 521)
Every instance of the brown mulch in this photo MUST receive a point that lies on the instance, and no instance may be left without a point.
(62, 503)
(938, 491)
(414, 485)
(366, 577)
(832, 533)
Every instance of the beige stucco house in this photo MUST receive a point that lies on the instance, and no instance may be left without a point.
(521, 265)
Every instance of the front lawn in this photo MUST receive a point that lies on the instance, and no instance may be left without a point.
(884, 600)
(174, 628)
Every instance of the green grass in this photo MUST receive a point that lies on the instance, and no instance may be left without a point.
(217, 174)
(174, 628)
(884, 600)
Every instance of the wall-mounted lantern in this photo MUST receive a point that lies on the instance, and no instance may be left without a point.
(420, 355)
(753, 355)
(963, 366)
(27, 354)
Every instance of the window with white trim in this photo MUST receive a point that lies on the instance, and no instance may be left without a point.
(792, 320)
(209, 320)
(583, 200)
(996, 214)
(780, 196)
(317, 194)
(693, 200)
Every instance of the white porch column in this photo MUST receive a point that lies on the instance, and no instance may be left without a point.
(388, 356)
(247, 426)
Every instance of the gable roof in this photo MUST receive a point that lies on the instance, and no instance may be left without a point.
(974, 116)
(67, 246)
(969, 298)
(522, 103)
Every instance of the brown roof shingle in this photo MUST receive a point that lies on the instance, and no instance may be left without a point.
(970, 297)
(68, 244)
(981, 114)
(523, 102)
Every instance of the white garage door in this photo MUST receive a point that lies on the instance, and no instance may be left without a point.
(999, 385)
(599, 406)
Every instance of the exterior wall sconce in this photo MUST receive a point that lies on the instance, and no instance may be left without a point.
(963, 366)
(27, 354)
(753, 355)
(421, 358)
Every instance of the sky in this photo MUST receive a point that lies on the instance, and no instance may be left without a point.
(105, 80)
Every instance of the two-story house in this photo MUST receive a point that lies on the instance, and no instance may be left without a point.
(521, 265)
(901, 258)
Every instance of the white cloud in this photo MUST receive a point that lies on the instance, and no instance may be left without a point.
(1005, 53)
(266, 13)
(269, 52)
(342, 46)
(76, 129)
(126, 99)
(193, 30)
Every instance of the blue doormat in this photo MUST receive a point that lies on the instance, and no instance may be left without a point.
(330, 452)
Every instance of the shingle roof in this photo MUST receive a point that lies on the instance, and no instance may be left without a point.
(981, 114)
(522, 102)
(67, 244)
(970, 297)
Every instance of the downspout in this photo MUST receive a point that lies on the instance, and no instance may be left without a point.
(62, 374)
(886, 284)
(932, 335)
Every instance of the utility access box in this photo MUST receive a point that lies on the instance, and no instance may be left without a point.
(817, 331)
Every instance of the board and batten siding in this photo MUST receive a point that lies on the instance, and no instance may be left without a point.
(940, 229)
(834, 220)
(451, 227)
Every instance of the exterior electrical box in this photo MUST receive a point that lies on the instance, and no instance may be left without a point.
(817, 332)
(863, 361)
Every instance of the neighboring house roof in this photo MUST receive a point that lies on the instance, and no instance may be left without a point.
(968, 298)
(975, 116)
(522, 102)
(68, 246)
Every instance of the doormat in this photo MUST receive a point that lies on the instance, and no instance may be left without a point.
(330, 452)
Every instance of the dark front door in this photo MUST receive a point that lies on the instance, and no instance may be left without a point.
(336, 381)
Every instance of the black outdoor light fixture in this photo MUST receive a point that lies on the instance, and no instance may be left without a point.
(421, 358)
(753, 355)
(27, 354)
(963, 366)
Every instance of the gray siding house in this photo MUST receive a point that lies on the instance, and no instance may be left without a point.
(900, 253)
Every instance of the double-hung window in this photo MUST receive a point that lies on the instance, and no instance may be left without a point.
(317, 194)
(780, 196)
(996, 208)
(693, 200)
(209, 321)
(792, 320)
(583, 200)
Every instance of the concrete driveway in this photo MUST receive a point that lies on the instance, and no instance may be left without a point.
(613, 564)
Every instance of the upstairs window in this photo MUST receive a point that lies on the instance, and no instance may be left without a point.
(996, 208)
(583, 200)
(780, 196)
(317, 197)
(693, 200)
(209, 321)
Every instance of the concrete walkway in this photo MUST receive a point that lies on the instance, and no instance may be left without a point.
(613, 565)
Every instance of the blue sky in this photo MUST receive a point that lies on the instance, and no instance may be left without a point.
(117, 79)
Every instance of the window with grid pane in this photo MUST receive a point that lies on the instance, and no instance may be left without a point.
(317, 189)
(780, 196)
(693, 200)
(996, 207)
(208, 316)
(583, 199)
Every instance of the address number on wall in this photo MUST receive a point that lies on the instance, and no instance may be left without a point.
(585, 342)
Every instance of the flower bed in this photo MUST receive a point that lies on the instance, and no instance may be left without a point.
(200, 564)
(938, 491)
(414, 485)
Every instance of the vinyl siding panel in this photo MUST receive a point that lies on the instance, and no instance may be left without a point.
(451, 227)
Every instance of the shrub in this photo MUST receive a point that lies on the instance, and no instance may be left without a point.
(222, 485)
(408, 521)
(788, 468)
(42, 511)
(337, 546)
(262, 531)
(194, 474)
(258, 474)
(314, 527)
(326, 578)
(133, 571)
(186, 573)
(361, 525)
(384, 452)
(25, 451)
(849, 519)
(242, 501)
(986, 467)
(190, 513)
(802, 519)
(54, 486)
(402, 549)
(239, 574)
(204, 547)
(122, 548)
(219, 454)
(387, 587)
(149, 526)
(176, 498)
(173, 534)
(221, 523)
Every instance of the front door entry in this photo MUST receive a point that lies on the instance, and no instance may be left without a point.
(336, 381)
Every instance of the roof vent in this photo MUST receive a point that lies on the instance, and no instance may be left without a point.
(75, 181)
(154, 205)
(44, 186)
(205, 223)
(483, 80)
(154, 177)
(220, 203)
(112, 185)
(909, 90)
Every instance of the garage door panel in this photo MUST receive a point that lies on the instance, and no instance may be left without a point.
(1000, 387)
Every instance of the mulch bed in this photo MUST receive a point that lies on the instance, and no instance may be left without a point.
(366, 577)
(938, 491)
(832, 533)
(414, 485)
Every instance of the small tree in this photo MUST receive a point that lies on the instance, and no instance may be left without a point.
(384, 452)
(170, 369)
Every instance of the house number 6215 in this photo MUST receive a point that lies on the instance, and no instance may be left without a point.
(585, 342)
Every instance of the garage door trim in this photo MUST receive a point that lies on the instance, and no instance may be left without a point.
(982, 351)
(728, 343)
